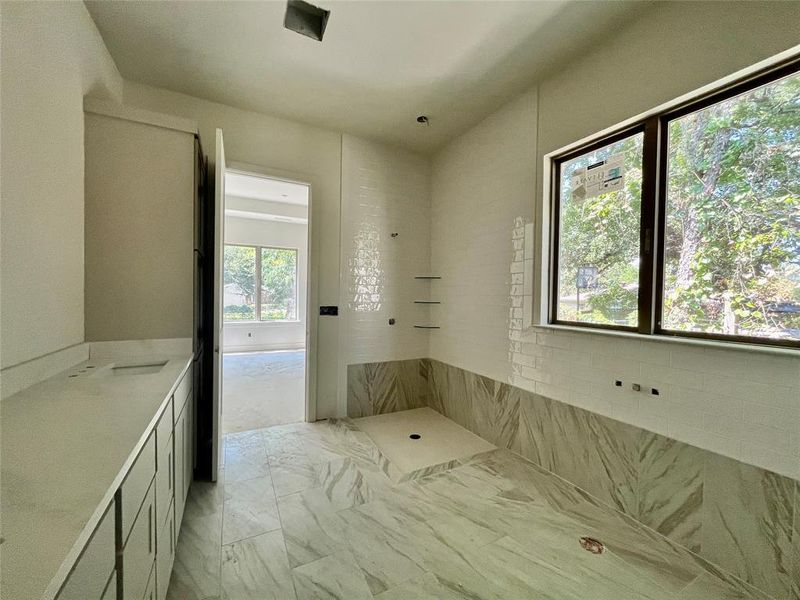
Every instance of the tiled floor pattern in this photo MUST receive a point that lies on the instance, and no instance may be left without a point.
(311, 511)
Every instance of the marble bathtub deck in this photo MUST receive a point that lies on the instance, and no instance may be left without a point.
(311, 511)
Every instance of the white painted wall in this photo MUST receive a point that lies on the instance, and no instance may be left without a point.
(297, 152)
(52, 56)
(385, 190)
(742, 404)
(244, 337)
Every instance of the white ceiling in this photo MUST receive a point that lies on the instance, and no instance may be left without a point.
(262, 188)
(379, 66)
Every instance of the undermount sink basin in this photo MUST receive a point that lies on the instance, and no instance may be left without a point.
(142, 369)
(138, 368)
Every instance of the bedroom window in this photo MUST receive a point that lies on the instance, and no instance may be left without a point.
(260, 283)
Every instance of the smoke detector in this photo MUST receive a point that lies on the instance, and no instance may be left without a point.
(306, 19)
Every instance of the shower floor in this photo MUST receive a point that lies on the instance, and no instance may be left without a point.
(440, 442)
(311, 511)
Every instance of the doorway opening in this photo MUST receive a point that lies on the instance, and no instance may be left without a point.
(264, 301)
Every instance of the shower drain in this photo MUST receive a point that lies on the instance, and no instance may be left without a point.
(415, 436)
(592, 545)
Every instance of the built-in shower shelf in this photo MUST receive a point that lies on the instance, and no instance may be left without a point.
(426, 327)
(426, 302)
(427, 277)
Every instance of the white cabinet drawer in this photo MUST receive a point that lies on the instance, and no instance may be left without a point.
(111, 588)
(139, 552)
(165, 553)
(165, 481)
(136, 484)
(188, 445)
(180, 462)
(90, 574)
(182, 391)
(150, 590)
(164, 426)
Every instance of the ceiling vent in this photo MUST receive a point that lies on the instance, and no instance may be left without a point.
(306, 19)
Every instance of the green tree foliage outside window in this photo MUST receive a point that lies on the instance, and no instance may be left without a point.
(732, 263)
(599, 242)
(240, 283)
(278, 284)
(270, 291)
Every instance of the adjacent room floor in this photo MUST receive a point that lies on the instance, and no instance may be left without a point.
(316, 511)
(261, 389)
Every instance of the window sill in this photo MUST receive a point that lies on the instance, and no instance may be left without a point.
(251, 323)
(716, 344)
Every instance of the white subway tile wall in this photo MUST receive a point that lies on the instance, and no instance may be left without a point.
(739, 403)
(385, 191)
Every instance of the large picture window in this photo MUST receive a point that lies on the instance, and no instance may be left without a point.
(260, 283)
(687, 223)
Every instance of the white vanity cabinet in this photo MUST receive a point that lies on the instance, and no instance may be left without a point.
(176, 454)
(184, 411)
(165, 464)
(93, 574)
(131, 552)
(165, 553)
(139, 553)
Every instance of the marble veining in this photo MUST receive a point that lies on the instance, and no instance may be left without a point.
(596, 453)
(748, 519)
(740, 517)
(490, 526)
(379, 388)
(670, 488)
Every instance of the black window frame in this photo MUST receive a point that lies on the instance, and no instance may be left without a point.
(653, 215)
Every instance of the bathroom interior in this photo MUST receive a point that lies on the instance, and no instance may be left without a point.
(543, 316)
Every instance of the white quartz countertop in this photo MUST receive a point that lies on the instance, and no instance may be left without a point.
(67, 443)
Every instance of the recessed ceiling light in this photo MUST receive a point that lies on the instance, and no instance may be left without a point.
(306, 19)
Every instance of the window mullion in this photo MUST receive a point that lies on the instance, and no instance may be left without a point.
(648, 238)
(258, 283)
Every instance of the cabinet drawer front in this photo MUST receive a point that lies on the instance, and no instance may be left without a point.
(182, 392)
(150, 590)
(111, 588)
(180, 464)
(165, 554)
(188, 444)
(89, 577)
(139, 553)
(164, 426)
(165, 480)
(136, 485)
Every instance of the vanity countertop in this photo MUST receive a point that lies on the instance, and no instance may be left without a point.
(66, 444)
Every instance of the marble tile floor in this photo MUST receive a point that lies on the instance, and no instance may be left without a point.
(312, 511)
